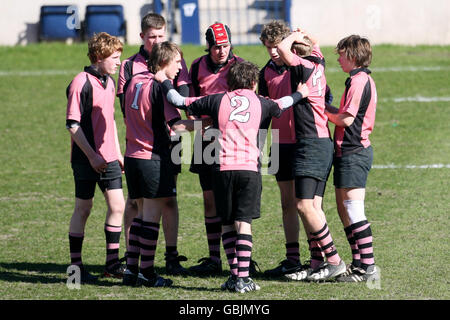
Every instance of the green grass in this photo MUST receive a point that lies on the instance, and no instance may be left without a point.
(408, 209)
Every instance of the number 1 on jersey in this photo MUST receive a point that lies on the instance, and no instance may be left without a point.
(134, 105)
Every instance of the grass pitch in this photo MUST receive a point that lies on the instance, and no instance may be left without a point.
(407, 206)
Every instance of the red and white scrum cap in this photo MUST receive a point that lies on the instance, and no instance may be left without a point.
(218, 34)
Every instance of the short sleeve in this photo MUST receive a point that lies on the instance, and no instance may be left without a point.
(353, 97)
(74, 100)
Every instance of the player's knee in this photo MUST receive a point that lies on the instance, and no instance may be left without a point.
(209, 204)
(288, 207)
(171, 204)
(83, 210)
(305, 208)
(131, 205)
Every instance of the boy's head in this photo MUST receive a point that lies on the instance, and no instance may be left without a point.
(355, 49)
(303, 49)
(165, 55)
(243, 75)
(104, 50)
(153, 30)
(218, 41)
(272, 34)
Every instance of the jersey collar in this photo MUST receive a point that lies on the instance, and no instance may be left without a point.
(103, 79)
(144, 53)
(215, 68)
(357, 70)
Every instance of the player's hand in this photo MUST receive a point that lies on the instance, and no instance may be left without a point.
(121, 163)
(98, 163)
(206, 122)
(161, 76)
(299, 36)
(303, 89)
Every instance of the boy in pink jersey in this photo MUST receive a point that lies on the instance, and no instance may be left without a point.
(313, 157)
(209, 75)
(275, 82)
(353, 156)
(96, 156)
(150, 178)
(237, 116)
(153, 31)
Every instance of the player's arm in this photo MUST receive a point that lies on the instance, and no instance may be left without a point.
(188, 125)
(287, 101)
(284, 47)
(77, 134)
(172, 95)
(340, 119)
(119, 152)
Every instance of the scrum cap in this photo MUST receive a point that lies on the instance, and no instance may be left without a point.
(218, 34)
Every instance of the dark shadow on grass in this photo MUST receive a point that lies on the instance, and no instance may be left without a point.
(44, 273)
(52, 273)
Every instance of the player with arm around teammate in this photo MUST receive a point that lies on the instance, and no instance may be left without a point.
(153, 31)
(313, 157)
(275, 82)
(148, 168)
(96, 157)
(353, 154)
(237, 116)
(208, 75)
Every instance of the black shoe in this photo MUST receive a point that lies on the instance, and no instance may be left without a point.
(230, 284)
(129, 278)
(173, 266)
(85, 276)
(242, 286)
(114, 271)
(285, 267)
(153, 282)
(252, 268)
(207, 267)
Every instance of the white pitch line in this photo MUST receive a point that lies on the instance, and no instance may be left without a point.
(416, 99)
(36, 73)
(400, 69)
(412, 166)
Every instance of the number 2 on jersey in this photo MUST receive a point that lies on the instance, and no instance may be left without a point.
(236, 113)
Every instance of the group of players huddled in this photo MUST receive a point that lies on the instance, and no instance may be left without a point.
(227, 100)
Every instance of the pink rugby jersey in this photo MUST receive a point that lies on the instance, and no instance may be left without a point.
(137, 63)
(238, 116)
(310, 118)
(90, 101)
(146, 119)
(275, 82)
(209, 78)
(359, 100)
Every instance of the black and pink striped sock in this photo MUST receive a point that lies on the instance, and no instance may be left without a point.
(293, 252)
(75, 245)
(325, 242)
(244, 246)
(353, 246)
(112, 235)
(213, 233)
(229, 245)
(148, 241)
(316, 253)
(363, 238)
(133, 249)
